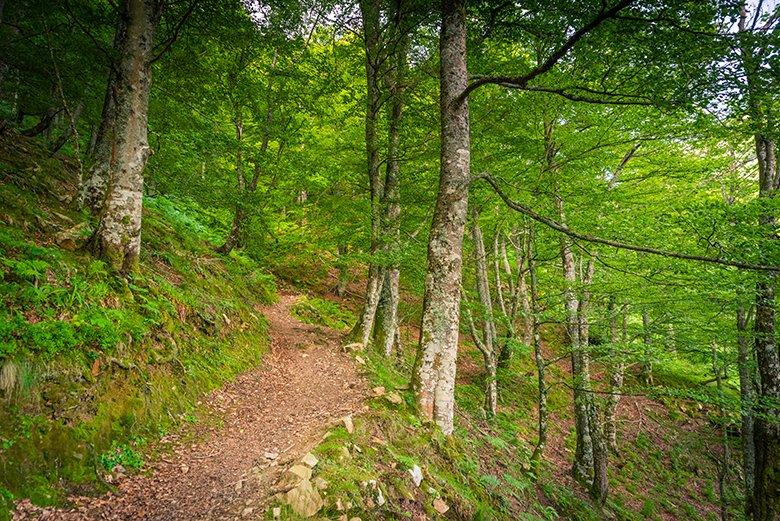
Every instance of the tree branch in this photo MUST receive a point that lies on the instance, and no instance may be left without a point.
(522, 81)
(555, 225)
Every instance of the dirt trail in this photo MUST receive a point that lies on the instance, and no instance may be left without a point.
(304, 385)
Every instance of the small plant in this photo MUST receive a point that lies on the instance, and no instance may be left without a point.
(121, 455)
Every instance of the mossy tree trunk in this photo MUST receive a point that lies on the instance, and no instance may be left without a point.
(386, 333)
(118, 234)
(370, 12)
(435, 368)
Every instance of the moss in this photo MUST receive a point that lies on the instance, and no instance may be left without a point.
(102, 366)
(323, 312)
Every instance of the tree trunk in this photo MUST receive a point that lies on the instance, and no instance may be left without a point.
(766, 431)
(70, 130)
(724, 463)
(488, 343)
(44, 123)
(435, 366)
(582, 469)
(246, 187)
(102, 144)
(538, 453)
(646, 372)
(118, 235)
(234, 236)
(766, 427)
(616, 372)
(387, 311)
(370, 11)
(747, 398)
(600, 487)
(508, 309)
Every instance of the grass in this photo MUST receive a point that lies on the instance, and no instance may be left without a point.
(94, 369)
(483, 471)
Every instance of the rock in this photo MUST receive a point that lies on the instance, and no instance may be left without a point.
(320, 483)
(359, 359)
(247, 511)
(339, 505)
(310, 460)
(348, 424)
(271, 455)
(277, 512)
(395, 398)
(355, 519)
(353, 347)
(378, 391)
(345, 454)
(185, 469)
(440, 506)
(302, 471)
(304, 499)
(74, 237)
(380, 498)
(417, 475)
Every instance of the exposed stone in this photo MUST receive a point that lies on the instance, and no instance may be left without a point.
(417, 475)
(271, 455)
(395, 398)
(247, 511)
(277, 512)
(302, 471)
(320, 483)
(304, 499)
(359, 359)
(74, 237)
(378, 391)
(348, 424)
(310, 460)
(440, 506)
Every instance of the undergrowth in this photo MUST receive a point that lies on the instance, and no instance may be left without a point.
(93, 368)
(483, 471)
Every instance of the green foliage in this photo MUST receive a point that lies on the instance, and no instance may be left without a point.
(122, 454)
(323, 312)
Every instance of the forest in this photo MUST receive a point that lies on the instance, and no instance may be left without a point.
(389, 259)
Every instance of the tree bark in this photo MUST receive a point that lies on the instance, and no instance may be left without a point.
(70, 130)
(488, 343)
(747, 398)
(766, 426)
(435, 366)
(541, 443)
(387, 310)
(102, 144)
(118, 234)
(247, 186)
(766, 492)
(236, 227)
(646, 372)
(370, 12)
(582, 468)
(616, 372)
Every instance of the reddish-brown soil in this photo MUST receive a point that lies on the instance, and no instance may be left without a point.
(304, 385)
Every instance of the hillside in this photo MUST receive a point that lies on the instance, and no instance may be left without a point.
(95, 368)
(104, 381)
(389, 259)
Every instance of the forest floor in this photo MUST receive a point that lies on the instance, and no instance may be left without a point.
(270, 417)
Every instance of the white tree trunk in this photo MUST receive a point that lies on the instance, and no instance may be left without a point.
(436, 361)
(118, 235)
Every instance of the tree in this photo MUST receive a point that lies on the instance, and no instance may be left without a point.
(434, 373)
(116, 181)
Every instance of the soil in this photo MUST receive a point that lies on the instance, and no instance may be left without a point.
(272, 416)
